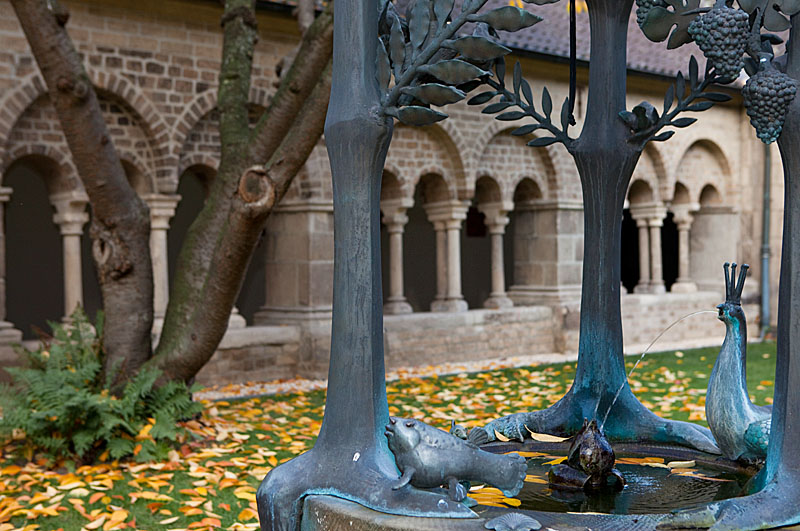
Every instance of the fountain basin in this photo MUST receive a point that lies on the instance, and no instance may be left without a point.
(651, 494)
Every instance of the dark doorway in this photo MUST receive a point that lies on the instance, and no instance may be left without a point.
(669, 250)
(476, 259)
(419, 256)
(34, 261)
(630, 252)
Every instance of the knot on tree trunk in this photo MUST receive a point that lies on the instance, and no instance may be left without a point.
(243, 12)
(59, 11)
(78, 87)
(256, 189)
(110, 253)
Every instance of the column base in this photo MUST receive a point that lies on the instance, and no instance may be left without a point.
(525, 295)
(657, 289)
(276, 315)
(642, 288)
(684, 286)
(449, 305)
(498, 302)
(9, 334)
(397, 307)
(236, 320)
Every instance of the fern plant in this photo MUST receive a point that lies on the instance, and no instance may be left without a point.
(61, 402)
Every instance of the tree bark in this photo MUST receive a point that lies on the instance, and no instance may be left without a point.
(120, 219)
(221, 241)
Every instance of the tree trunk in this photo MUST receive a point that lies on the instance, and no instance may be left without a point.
(220, 242)
(120, 219)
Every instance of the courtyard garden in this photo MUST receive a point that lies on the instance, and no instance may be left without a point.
(209, 481)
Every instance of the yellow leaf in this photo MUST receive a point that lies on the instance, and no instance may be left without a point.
(500, 436)
(11, 470)
(96, 523)
(545, 437)
(144, 433)
(169, 520)
(681, 464)
(248, 514)
(557, 461)
(512, 502)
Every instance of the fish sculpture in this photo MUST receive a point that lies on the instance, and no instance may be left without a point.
(590, 462)
(429, 458)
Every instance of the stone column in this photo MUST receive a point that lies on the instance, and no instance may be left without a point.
(395, 219)
(162, 208)
(656, 265)
(649, 219)
(448, 214)
(8, 334)
(496, 219)
(439, 228)
(643, 286)
(70, 217)
(683, 219)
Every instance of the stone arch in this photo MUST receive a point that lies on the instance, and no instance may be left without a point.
(199, 159)
(17, 102)
(142, 182)
(155, 126)
(434, 188)
(391, 186)
(681, 194)
(650, 170)
(50, 163)
(488, 190)
(419, 150)
(503, 155)
(709, 196)
(198, 108)
(527, 190)
(703, 163)
(640, 192)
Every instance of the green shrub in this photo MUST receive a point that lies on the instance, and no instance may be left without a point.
(60, 402)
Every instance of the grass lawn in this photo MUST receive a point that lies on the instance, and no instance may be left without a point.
(211, 483)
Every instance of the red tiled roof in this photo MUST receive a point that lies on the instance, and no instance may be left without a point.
(551, 37)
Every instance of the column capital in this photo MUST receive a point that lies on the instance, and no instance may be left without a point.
(496, 215)
(71, 213)
(683, 214)
(447, 211)
(648, 211)
(162, 208)
(5, 194)
(394, 213)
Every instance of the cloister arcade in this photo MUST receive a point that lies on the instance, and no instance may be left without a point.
(488, 223)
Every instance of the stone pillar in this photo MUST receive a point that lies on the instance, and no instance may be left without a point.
(548, 252)
(299, 263)
(441, 262)
(496, 219)
(162, 208)
(643, 286)
(395, 219)
(649, 219)
(448, 214)
(656, 264)
(8, 334)
(683, 219)
(70, 217)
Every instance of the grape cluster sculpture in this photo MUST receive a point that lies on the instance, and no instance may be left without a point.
(722, 36)
(767, 95)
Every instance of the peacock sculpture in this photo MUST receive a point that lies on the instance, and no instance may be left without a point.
(740, 427)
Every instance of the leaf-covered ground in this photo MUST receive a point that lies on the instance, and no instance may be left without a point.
(211, 482)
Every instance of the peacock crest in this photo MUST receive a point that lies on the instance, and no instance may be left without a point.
(733, 289)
